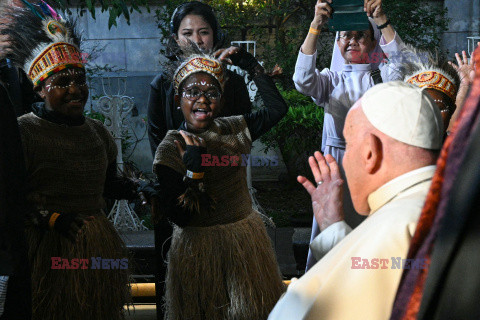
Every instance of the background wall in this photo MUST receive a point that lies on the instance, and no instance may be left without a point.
(134, 49)
(465, 22)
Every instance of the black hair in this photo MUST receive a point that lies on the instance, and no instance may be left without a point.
(196, 8)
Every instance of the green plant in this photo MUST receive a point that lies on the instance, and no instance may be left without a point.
(420, 23)
(115, 8)
(298, 134)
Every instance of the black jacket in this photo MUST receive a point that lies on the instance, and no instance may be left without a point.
(13, 212)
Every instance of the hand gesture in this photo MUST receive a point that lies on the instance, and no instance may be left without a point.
(374, 10)
(465, 69)
(190, 140)
(323, 12)
(238, 57)
(327, 193)
(70, 225)
(192, 154)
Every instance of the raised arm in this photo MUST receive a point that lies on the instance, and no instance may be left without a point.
(374, 9)
(307, 78)
(323, 12)
(261, 121)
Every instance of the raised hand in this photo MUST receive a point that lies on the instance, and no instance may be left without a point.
(465, 69)
(374, 10)
(323, 12)
(238, 57)
(326, 194)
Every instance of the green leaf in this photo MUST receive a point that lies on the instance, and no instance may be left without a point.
(90, 8)
(125, 11)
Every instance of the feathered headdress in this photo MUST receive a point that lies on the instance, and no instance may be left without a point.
(426, 70)
(41, 42)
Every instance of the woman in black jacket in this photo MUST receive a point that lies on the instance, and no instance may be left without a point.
(191, 22)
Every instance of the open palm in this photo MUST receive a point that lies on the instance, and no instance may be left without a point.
(326, 194)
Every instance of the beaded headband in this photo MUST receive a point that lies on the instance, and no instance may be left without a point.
(434, 80)
(53, 57)
(197, 64)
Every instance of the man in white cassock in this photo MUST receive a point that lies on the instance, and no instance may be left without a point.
(393, 135)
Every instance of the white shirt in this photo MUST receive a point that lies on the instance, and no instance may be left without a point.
(333, 288)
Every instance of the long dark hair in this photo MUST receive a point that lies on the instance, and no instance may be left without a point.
(198, 8)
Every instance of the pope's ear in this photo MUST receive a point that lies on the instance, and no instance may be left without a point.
(372, 153)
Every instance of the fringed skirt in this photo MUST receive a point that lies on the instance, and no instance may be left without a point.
(222, 272)
(98, 291)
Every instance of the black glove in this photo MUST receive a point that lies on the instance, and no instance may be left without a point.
(245, 60)
(66, 224)
(192, 158)
(147, 190)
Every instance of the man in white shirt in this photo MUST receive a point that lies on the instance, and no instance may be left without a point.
(393, 135)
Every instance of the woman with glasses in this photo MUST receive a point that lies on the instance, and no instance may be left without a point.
(192, 22)
(357, 64)
(221, 264)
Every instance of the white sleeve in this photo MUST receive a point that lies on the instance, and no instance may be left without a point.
(396, 52)
(329, 238)
(310, 81)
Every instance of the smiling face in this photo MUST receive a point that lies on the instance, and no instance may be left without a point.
(200, 100)
(194, 28)
(355, 46)
(66, 92)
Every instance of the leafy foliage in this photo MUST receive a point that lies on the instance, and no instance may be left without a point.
(298, 134)
(279, 27)
(420, 23)
(116, 8)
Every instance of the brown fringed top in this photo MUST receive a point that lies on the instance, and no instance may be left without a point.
(227, 185)
(67, 166)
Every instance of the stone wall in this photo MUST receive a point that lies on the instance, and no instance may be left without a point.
(134, 49)
(465, 22)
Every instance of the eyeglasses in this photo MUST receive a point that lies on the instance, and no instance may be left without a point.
(194, 94)
(359, 36)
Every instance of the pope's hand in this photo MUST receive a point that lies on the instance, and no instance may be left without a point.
(326, 195)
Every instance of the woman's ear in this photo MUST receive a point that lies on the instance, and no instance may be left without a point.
(177, 99)
(175, 37)
(372, 153)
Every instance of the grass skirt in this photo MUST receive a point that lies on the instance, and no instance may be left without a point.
(78, 293)
(222, 272)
